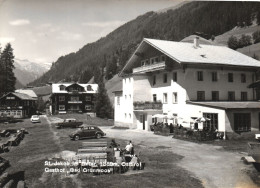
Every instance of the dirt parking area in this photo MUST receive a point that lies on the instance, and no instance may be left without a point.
(214, 166)
(169, 162)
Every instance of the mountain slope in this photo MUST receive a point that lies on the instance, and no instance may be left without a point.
(26, 71)
(212, 18)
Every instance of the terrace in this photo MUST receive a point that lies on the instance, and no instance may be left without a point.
(147, 105)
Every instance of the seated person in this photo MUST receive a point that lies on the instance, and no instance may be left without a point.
(129, 147)
(113, 144)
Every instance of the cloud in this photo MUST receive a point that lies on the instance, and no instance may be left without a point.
(5, 40)
(104, 24)
(19, 22)
(69, 36)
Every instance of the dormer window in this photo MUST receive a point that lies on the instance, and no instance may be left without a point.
(62, 87)
(89, 88)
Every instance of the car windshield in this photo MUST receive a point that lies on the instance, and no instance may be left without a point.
(35, 116)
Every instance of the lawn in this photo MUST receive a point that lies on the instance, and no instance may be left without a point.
(85, 119)
(44, 141)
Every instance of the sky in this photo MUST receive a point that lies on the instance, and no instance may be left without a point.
(43, 30)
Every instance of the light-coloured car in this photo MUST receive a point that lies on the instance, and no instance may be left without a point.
(35, 119)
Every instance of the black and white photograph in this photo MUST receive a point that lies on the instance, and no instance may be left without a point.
(129, 93)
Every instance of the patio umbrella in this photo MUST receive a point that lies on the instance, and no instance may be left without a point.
(158, 116)
(202, 119)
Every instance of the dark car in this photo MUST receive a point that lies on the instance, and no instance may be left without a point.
(87, 132)
(72, 123)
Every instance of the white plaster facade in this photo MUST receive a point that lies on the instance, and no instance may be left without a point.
(146, 84)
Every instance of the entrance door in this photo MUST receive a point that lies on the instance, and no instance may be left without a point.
(242, 122)
(143, 122)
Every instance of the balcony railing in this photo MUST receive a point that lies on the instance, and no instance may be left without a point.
(150, 68)
(147, 105)
(74, 102)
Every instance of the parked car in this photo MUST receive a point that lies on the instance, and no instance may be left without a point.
(35, 119)
(87, 132)
(72, 123)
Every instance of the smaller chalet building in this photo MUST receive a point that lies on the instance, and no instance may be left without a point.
(73, 98)
(17, 105)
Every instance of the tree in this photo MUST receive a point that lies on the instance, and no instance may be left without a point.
(245, 40)
(2, 74)
(111, 68)
(85, 77)
(233, 42)
(7, 61)
(103, 106)
(256, 36)
(255, 57)
(258, 18)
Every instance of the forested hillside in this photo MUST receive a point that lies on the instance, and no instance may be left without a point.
(112, 51)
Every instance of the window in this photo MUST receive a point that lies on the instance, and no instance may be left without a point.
(62, 87)
(61, 107)
(154, 79)
(214, 77)
(174, 97)
(88, 107)
(230, 77)
(165, 78)
(125, 116)
(88, 98)
(211, 124)
(242, 122)
(174, 76)
(201, 95)
(89, 88)
(142, 63)
(146, 62)
(125, 97)
(154, 97)
(154, 120)
(156, 59)
(231, 95)
(118, 100)
(61, 98)
(215, 95)
(165, 100)
(243, 78)
(200, 75)
(74, 98)
(243, 96)
(129, 96)
(130, 116)
(152, 61)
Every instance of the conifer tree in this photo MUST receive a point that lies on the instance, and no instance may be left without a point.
(1, 74)
(103, 106)
(7, 61)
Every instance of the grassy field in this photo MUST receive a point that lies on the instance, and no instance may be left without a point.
(44, 141)
(86, 120)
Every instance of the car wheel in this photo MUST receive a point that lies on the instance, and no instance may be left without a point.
(76, 137)
(98, 135)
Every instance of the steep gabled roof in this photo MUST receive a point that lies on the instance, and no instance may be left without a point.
(183, 52)
(21, 96)
(56, 87)
(209, 54)
(29, 92)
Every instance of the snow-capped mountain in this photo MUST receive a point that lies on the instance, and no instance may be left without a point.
(26, 71)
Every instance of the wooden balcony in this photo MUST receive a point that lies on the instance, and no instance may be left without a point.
(147, 105)
(75, 102)
(150, 68)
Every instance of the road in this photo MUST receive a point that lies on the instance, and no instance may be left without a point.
(214, 166)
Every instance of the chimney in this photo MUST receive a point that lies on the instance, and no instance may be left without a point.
(196, 42)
